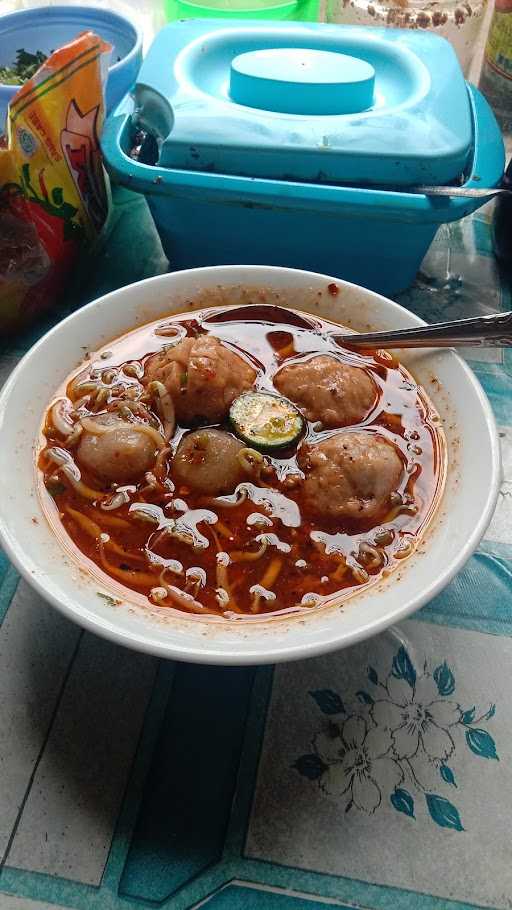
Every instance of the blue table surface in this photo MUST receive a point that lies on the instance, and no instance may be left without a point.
(378, 777)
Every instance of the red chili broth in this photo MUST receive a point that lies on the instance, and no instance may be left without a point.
(268, 337)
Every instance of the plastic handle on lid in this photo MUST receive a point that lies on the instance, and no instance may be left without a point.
(302, 81)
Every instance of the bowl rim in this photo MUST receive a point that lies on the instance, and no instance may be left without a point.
(130, 27)
(159, 647)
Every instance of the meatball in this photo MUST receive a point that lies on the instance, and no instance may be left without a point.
(207, 462)
(351, 475)
(328, 390)
(118, 452)
(203, 377)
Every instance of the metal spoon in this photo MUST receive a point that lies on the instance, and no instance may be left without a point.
(478, 331)
(457, 191)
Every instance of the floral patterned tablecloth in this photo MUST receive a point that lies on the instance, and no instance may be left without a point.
(379, 777)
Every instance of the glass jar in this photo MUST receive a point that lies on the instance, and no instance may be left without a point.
(460, 23)
(496, 75)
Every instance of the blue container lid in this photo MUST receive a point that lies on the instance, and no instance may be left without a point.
(292, 80)
(323, 104)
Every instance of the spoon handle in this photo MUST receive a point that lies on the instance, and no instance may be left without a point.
(470, 192)
(483, 331)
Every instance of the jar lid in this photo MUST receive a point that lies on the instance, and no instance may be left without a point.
(308, 102)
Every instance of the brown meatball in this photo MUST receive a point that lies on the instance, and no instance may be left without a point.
(207, 461)
(202, 375)
(121, 454)
(351, 475)
(328, 390)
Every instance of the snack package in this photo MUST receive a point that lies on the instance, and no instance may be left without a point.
(53, 189)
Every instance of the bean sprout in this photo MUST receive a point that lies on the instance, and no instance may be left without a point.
(60, 417)
(165, 406)
(68, 467)
(128, 408)
(116, 501)
(384, 537)
(158, 594)
(168, 330)
(75, 435)
(231, 501)
(134, 369)
(222, 596)
(259, 520)
(101, 397)
(222, 574)
(259, 591)
(359, 574)
(80, 402)
(160, 465)
(146, 512)
(82, 385)
(250, 461)
(186, 601)
(153, 434)
(370, 556)
(63, 458)
(151, 486)
(95, 427)
(311, 599)
(409, 508)
(405, 549)
(99, 429)
(196, 579)
(273, 540)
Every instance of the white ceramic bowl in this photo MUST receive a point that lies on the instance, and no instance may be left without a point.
(462, 517)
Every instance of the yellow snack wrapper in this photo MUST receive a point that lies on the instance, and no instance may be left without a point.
(53, 188)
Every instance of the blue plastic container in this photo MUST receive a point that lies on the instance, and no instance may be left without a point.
(48, 28)
(241, 169)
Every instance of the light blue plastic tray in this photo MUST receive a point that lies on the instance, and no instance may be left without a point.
(372, 235)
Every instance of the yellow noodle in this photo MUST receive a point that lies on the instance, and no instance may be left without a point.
(223, 529)
(127, 575)
(93, 530)
(247, 556)
(112, 521)
(272, 572)
(339, 572)
(80, 486)
(222, 575)
(87, 524)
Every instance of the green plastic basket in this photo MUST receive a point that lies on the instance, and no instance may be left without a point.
(296, 10)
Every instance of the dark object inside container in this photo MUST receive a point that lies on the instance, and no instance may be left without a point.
(502, 223)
